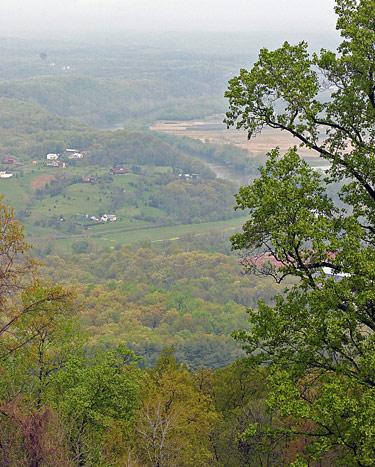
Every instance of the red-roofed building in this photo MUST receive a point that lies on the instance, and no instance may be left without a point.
(9, 160)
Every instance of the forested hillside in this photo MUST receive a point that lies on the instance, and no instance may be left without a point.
(106, 86)
(149, 297)
(105, 103)
(228, 155)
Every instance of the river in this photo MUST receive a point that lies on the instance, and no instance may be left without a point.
(212, 129)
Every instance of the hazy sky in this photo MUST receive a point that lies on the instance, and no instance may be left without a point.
(23, 17)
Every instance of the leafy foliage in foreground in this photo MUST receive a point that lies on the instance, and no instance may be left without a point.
(318, 338)
(47, 384)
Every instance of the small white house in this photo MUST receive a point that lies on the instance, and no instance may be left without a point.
(108, 217)
(5, 175)
(52, 157)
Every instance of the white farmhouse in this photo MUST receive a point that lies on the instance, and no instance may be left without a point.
(52, 157)
(5, 175)
(108, 217)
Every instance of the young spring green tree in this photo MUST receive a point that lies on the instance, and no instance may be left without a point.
(318, 338)
(175, 418)
(58, 406)
(37, 332)
(239, 395)
(97, 397)
(28, 306)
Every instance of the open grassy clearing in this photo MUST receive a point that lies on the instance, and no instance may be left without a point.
(79, 199)
(160, 234)
(127, 236)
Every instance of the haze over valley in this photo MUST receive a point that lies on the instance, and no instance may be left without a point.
(164, 176)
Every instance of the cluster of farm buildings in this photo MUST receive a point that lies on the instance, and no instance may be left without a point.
(52, 159)
(103, 218)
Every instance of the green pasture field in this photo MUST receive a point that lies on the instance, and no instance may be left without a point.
(16, 192)
(78, 200)
(160, 234)
(127, 236)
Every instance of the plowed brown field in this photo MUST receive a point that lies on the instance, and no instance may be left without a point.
(41, 181)
(214, 130)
